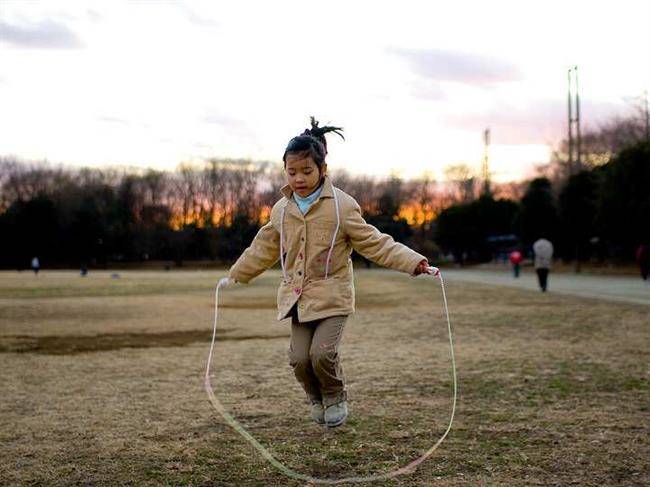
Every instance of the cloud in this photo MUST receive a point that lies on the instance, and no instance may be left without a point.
(455, 66)
(203, 145)
(541, 122)
(221, 119)
(45, 34)
(93, 15)
(115, 120)
(196, 19)
(428, 90)
(230, 124)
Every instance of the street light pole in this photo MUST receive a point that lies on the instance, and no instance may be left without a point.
(485, 167)
(647, 117)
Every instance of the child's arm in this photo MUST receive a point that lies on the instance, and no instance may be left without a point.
(381, 247)
(263, 252)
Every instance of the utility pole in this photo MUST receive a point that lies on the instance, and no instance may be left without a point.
(579, 138)
(575, 149)
(575, 164)
(570, 124)
(485, 168)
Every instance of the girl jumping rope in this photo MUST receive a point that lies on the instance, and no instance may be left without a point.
(312, 231)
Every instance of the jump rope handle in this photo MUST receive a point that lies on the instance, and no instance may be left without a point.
(434, 271)
(226, 281)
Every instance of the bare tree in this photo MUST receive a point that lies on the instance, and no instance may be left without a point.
(25, 180)
(598, 145)
(186, 197)
(423, 201)
(461, 182)
(511, 190)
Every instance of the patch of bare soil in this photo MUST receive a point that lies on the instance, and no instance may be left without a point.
(72, 344)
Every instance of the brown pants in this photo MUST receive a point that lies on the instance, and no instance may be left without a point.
(314, 357)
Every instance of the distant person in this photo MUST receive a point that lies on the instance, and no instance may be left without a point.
(543, 250)
(643, 259)
(317, 291)
(36, 265)
(515, 260)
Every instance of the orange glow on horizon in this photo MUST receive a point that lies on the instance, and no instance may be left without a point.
(416, 215)
(220, 217)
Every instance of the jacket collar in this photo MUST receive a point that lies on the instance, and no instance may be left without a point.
(327, 192)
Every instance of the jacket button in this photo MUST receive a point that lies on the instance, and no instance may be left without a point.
(300, 273)
(302, 239)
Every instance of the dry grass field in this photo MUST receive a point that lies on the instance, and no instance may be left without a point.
(101, 383)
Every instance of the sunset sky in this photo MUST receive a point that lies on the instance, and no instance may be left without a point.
(155, 83)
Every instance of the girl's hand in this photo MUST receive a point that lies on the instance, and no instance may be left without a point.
(227, 281)
(423, 268)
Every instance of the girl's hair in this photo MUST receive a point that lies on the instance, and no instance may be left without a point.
(311, 143)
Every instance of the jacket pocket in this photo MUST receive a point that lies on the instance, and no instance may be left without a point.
(328, 294)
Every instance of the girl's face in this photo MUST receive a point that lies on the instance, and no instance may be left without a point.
(303, 175)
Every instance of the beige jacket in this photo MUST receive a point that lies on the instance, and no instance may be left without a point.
(307, 240)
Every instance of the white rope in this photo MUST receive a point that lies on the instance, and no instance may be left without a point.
(284, 270)
(300, 476)
(336, 232)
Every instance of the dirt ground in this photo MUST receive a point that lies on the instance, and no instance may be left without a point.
(101, 383)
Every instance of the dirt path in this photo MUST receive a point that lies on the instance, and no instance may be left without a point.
(612, 288)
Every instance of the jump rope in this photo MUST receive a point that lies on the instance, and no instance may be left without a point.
(409, 468)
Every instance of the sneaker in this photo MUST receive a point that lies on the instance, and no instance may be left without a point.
(336, 414)
(318, 412)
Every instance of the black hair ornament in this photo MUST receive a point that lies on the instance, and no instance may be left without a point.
(314, 139)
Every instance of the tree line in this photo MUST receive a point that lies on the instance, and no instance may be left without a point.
(595, 209)
(211, 211)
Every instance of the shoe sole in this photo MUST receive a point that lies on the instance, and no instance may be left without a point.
(334, 425)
